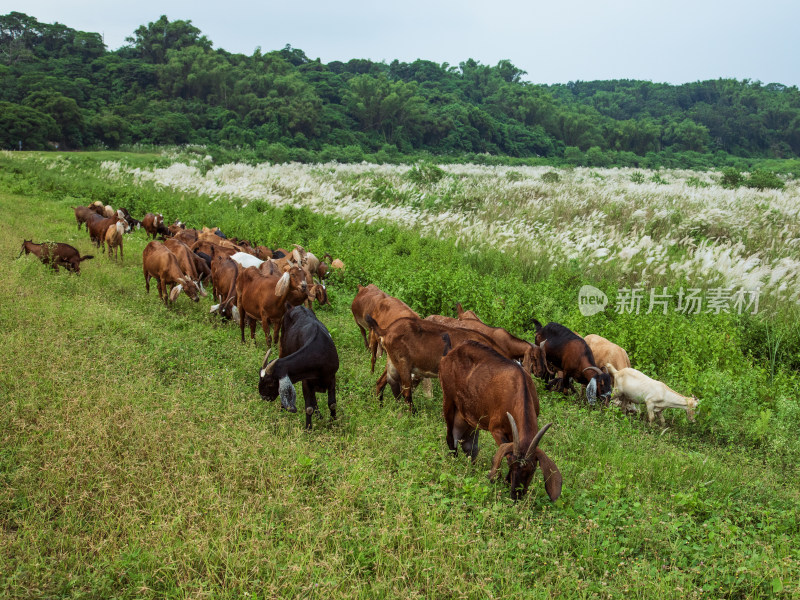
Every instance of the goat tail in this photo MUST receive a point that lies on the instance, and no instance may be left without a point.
(87, 257)
(447, 344)
(611, 369)
(537, 326)
(374, 326)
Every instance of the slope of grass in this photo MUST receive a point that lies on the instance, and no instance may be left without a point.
(137, 460)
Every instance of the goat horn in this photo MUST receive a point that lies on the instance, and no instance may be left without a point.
(502, 450)
(514, 433)
(594, 368)
(532, 448)
(266, 360)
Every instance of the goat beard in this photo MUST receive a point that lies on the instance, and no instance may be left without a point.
(287, 394)
(591, 391)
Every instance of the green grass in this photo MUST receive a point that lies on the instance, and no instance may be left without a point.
(138, 460)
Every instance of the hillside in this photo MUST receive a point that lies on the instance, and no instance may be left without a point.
(170, 86)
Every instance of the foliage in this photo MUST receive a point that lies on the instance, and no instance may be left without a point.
(731, 177)
(25, 127)
(551, 177)
(425, 174)
(153, 471)
(169, 85)
(764, 180)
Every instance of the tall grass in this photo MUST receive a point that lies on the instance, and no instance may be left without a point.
(137, 459)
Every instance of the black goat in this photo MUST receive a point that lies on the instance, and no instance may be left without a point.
(571, 354)
(307, 354)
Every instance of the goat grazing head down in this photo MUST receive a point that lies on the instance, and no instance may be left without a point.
(189, 287)
(600, 385)
(522, 465)
(272, 384)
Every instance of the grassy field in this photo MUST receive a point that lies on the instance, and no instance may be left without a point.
(137, 460)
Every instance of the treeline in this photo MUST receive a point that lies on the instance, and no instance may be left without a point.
(62, 87)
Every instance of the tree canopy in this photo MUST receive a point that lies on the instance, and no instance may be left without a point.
(169, 85)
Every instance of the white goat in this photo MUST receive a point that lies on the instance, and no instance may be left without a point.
(631, 385)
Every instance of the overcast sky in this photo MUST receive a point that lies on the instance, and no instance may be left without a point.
(555, 41)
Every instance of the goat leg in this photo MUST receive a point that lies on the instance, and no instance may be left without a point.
(332, 399)
(311, 402)
(380, 386)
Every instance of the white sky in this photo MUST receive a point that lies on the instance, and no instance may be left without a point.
(555, 41)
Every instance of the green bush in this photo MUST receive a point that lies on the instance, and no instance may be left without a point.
(696, 182)
(425, 174)
(731, 178)
(551, 177)
(637, 177)
(764, 180)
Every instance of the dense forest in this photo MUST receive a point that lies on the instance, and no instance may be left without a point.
(63, 88)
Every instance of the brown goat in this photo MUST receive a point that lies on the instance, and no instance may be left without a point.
(414, 348)
(531, 356)
(187, 236)
(264, 298)
(83, 214)
(98, 228)
(364, 303)
(159, 262)
(153, 224)
(224, 273)
(385, 312)
(55, 254)
(114, 239)
(318, 292)
(211, 248)
(192, 265)
(483, 390)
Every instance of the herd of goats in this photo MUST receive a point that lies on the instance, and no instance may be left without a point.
(486, 373)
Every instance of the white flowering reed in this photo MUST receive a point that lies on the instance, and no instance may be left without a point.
(650, 232)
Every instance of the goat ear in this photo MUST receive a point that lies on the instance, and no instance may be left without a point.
(502, 450)
(282, 285)
(174, 293)
(552, 476)
(527, 360)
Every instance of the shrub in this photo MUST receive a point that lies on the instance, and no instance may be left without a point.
(731, 178)
(764, 180)
(696, 182)
(657, 178)
(637, 177)
(425, 174)
(551, 177)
